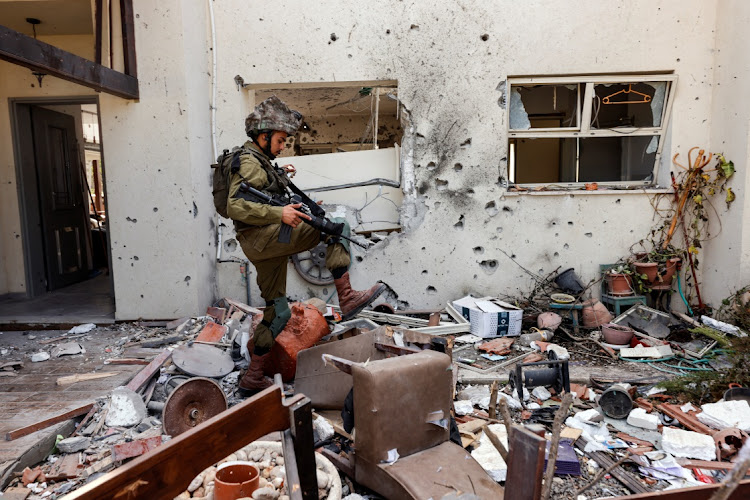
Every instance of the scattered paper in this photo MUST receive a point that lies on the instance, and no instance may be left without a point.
(85, 328)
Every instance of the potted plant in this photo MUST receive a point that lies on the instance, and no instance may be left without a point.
(656, 269)
(619, 281)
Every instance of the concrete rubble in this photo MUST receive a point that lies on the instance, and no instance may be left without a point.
(659, 437)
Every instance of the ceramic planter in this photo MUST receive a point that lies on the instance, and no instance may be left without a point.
(656, 280)
(619, 285)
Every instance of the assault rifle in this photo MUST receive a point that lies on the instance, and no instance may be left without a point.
(318, 220)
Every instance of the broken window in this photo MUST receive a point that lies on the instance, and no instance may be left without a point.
(347, 150)
(571, 130)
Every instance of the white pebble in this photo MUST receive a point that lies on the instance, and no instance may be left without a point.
(196, 483)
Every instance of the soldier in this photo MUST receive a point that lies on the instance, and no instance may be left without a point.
(258, 225)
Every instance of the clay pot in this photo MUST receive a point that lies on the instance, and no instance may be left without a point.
(651, 270)
(549, 321)
(619, 285)
(236, 480)
(594, 314)
(617, 334)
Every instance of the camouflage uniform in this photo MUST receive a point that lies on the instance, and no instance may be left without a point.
(258, 227)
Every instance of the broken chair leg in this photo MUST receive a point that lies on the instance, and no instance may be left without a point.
(552, 457)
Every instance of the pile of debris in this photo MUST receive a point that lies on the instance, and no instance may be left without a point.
(471, 380)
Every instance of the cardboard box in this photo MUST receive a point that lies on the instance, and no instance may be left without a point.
(490, 317)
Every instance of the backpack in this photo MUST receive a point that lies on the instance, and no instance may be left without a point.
(225, 165)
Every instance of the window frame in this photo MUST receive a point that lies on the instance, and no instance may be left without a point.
(584, 129)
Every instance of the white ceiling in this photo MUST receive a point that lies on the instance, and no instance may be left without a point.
(58, 17)
(332, 101)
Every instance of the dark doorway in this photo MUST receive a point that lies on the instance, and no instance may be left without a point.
(63, 212)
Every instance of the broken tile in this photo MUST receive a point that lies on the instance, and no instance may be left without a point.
(688, 444)
(39, 357)
(212, 332)
(68, 349)
(134, 448)
(499, 346)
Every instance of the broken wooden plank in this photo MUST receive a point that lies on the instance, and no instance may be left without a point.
(217, 313)
(525, 463)
(342, 364)
(704, 492)
(24, 431)
(66, 467)
(705, 464)
(604, 460)
(85, 419)
(126, 361)
(36, 55)
(149, 371)
(243, 307)
(83, 377)
(686, 419)
(166, 471)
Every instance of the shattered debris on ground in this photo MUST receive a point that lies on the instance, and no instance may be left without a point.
(629, 415)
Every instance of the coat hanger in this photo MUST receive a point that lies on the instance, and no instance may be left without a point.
(646, 97)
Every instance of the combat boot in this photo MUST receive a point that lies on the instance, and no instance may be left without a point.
(351, 301)
(253, 381)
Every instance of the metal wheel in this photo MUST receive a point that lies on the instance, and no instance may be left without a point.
(311, 265)
(192, 403)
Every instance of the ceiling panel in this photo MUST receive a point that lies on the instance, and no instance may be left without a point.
(58, 17)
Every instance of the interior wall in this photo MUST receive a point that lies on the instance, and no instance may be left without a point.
(462, 230)
(18, 82)
(335, 129)
(726, 258)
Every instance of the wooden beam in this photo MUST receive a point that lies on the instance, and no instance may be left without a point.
(128, 37)
(23, 50)
(24, 431)
(167, 471)
(149, 371)
(694, 493)
(98, 39)
(300, 439)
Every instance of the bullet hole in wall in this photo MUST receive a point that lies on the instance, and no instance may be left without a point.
(441, 184)
(230, 245)
(570, 222)
(507, 209)
(431, 166)
(458, 167)
(436, 205)
(431, 290)
(414, 27)
(135, 257)
(187, 280)
(589, 235)
(359, 258)
(131, 220)
(488, 266)
(491, 209)
(556, 254)
(466, 143)
(485, 37)
(460, 224)
(499, 229)
(195, 210)
(387, 32)
(479, 250)
(156, 209)
(424, 271)
(422, 188)
(566, 246)
(617, 201)
(334, 37)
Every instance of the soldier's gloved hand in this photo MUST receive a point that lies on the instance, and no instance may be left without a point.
(291, 216)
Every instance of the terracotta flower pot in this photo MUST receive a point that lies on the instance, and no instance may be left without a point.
(619, 285)
(617, 334)
(236, 480)
(594, 314)
(656, 280)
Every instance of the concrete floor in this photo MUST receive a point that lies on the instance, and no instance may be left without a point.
(90, 301)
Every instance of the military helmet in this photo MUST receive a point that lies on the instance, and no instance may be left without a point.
(273, 114)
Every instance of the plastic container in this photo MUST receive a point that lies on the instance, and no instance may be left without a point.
(568, 281)
(528, 338)
(236, 480)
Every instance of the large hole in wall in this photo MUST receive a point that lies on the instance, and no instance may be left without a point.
(347, 152)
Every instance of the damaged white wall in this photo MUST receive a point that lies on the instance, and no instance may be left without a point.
(461, 227)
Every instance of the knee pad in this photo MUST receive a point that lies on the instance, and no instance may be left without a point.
(282, 315)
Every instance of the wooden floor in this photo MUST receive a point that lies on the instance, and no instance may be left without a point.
(32, 395)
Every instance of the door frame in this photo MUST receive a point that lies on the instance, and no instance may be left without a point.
(33, 289)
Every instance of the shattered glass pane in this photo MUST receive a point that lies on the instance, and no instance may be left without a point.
(613, 159)
(519, 119)
(628, 104)
(543, 106)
